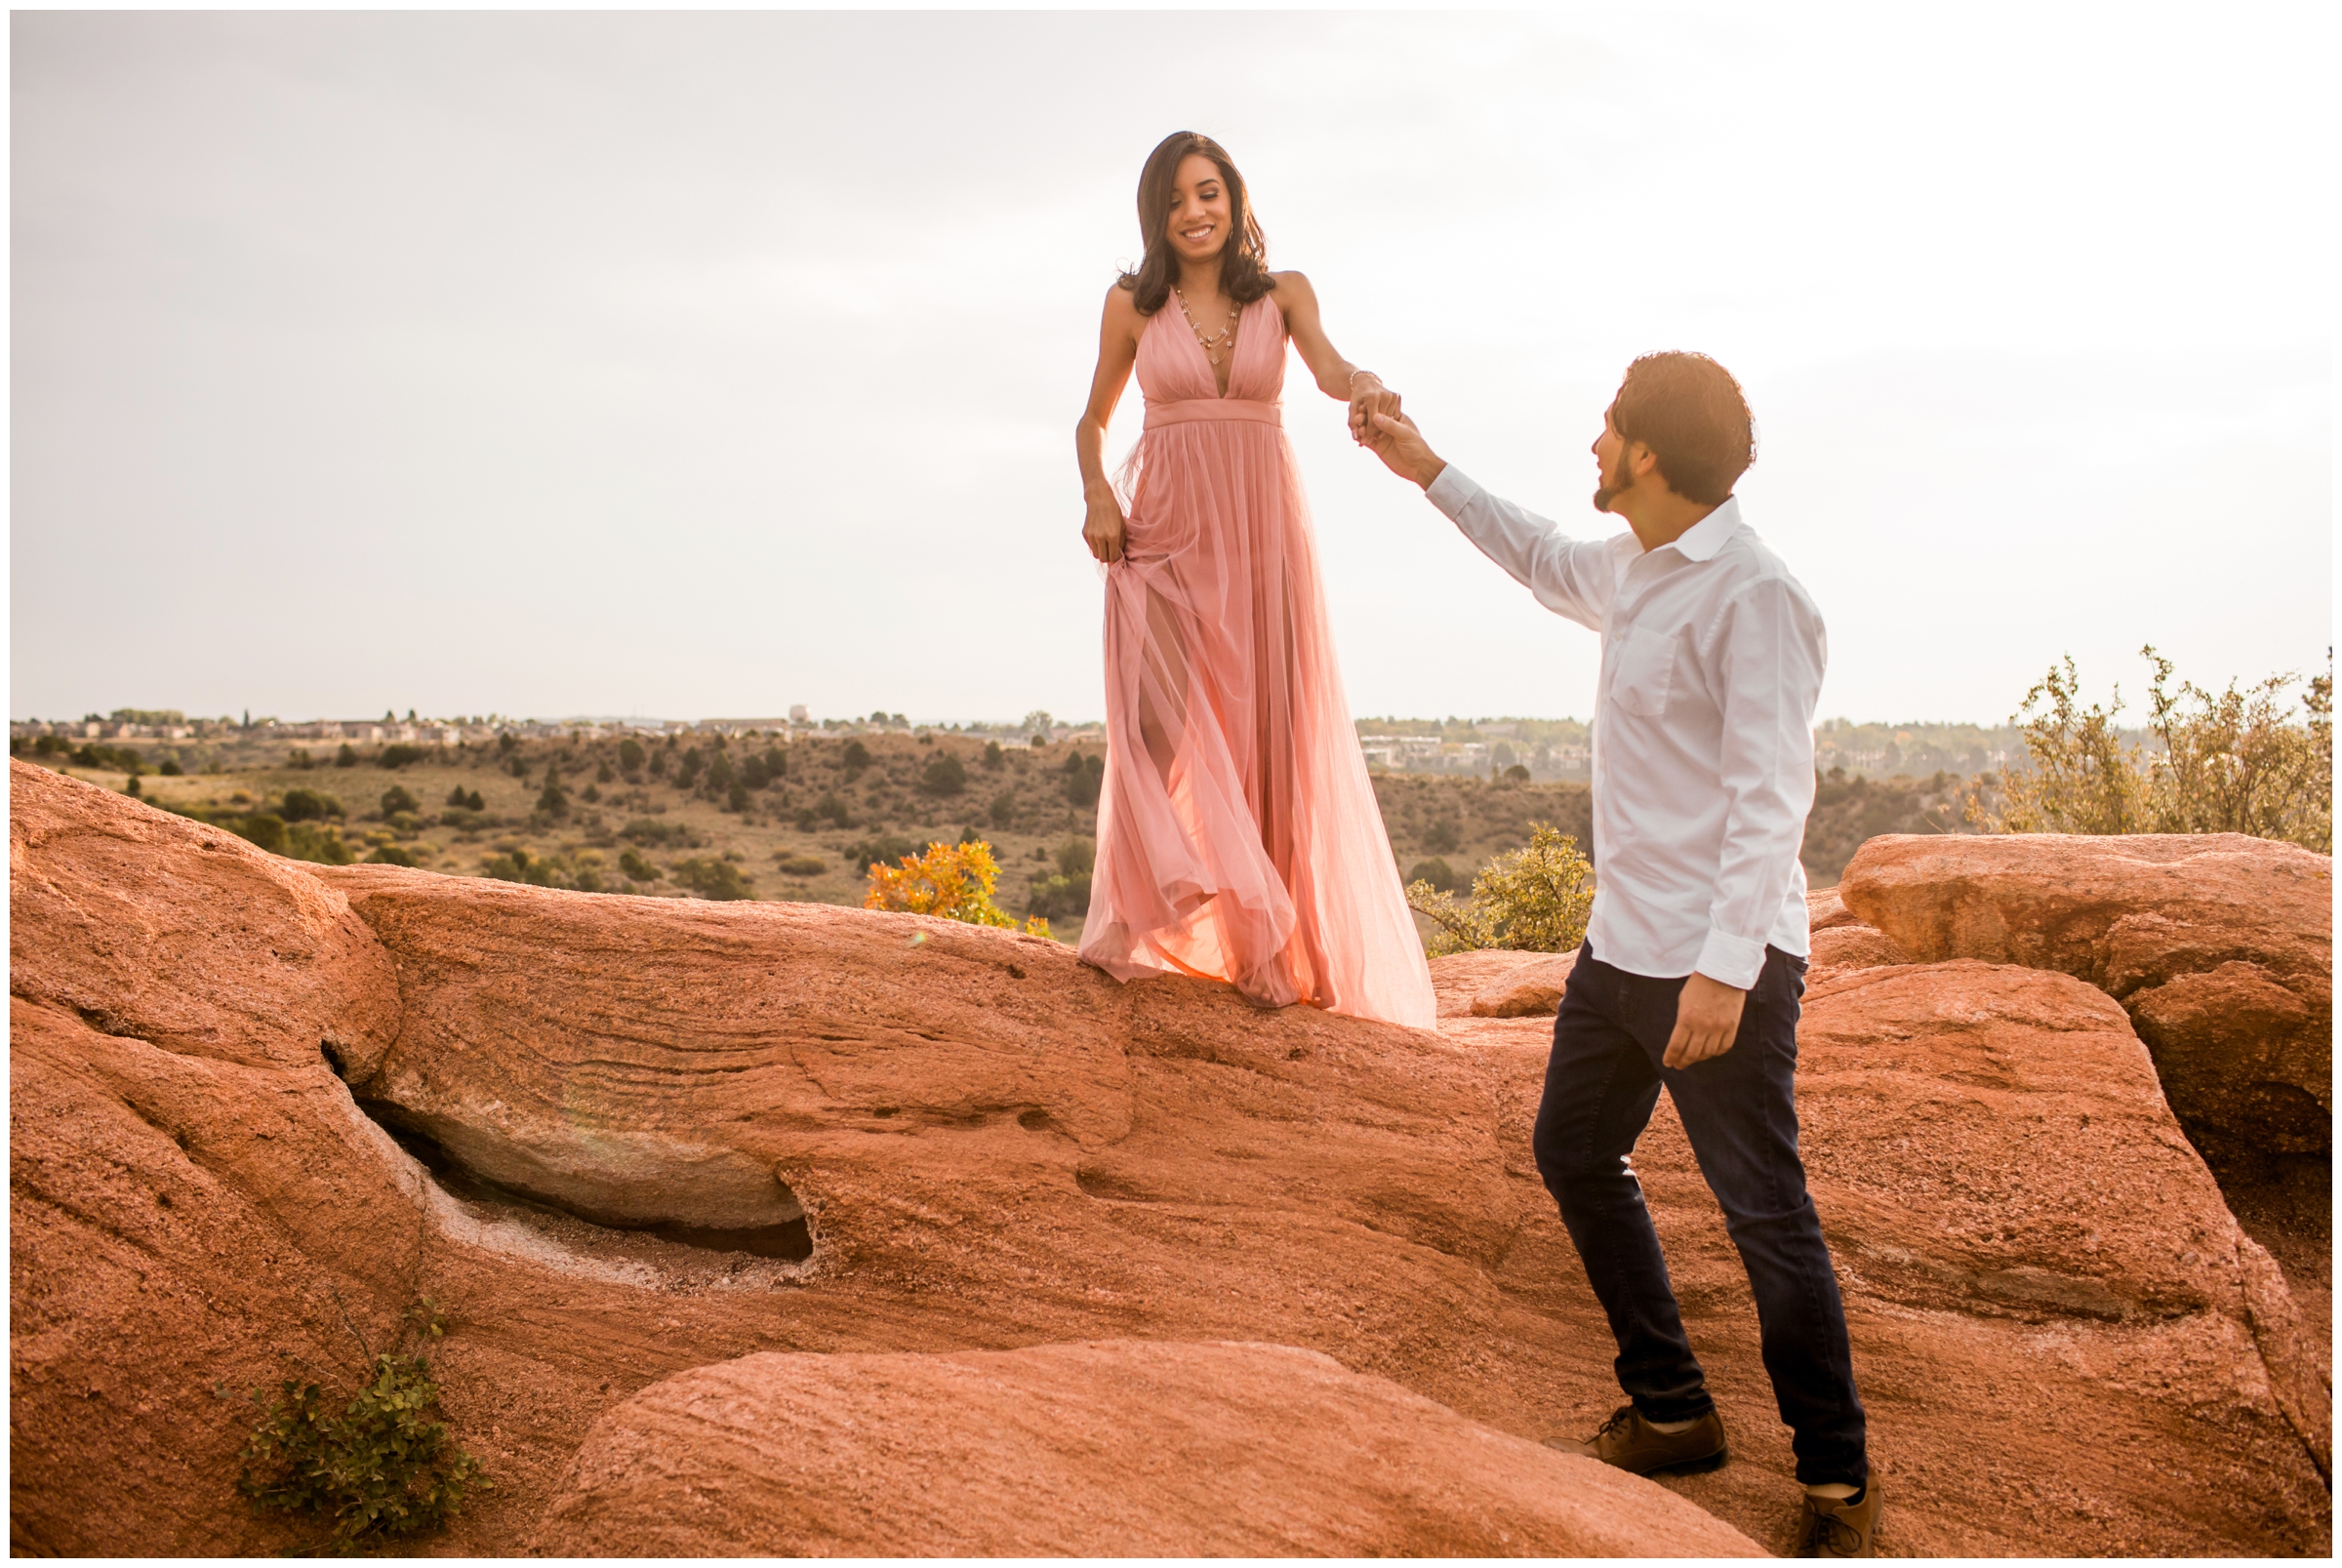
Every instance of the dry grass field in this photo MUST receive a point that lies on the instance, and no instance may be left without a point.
(800, 819)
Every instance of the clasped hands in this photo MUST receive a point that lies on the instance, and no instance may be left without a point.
(1369, 397)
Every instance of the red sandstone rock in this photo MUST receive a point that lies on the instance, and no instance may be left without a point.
(1531, 990)
(193, 1199)
(169, 931)
(1100, 1450)
(1824, 909)
(2219, 946)
(2062, 1339)
(1458, 978)
(1846, 946)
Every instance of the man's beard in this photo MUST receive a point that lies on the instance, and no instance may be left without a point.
(1616, 482)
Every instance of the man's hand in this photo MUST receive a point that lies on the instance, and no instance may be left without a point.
(1403, 450)
(1707, 1017)
(1368, 396)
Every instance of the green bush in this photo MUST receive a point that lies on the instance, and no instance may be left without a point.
(1084, 775)
(170, 768)
(687, 771)
(832, 810)
(391, 855)
(944, 774)
(630, 754)
(711, 878)
(1535, 900)
(317, 842)
(307, 806)
(1517, 773)
(882, 849)
(652, 834)
(516, 864)
(1003, 810)
(993, 756)
(1068, 892)
(637, 868)
(799, 864)
(378, 1472)
(264, 828)
(2232, 762)
(397, 799)
(1438, 873)
(604, 774)
(298, 759)
(399, 757)
(856, 759)
(1445, 836)
(552, 800)
(720, 777)
(347, 758)
(112, 758)
(467, 801)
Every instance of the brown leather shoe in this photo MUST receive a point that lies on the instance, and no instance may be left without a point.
(1631, 1443)
(1839, 1529)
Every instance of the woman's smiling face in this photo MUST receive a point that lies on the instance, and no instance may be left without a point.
(1201, 212)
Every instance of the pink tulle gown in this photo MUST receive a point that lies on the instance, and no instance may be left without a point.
(1238, 837)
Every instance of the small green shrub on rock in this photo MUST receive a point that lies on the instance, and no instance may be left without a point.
(378, 1472)
(637, 868)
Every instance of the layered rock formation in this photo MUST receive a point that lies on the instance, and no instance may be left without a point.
(2219, 947)
(1120, 1448)
(658, 1137)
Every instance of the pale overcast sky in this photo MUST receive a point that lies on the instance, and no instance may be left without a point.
(697, 365)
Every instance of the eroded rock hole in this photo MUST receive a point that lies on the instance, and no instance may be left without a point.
(790, 1241)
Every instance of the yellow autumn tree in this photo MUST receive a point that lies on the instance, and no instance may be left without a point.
(950, 880)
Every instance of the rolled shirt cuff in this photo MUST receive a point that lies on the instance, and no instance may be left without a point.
(1451, 492)
(1736, 961)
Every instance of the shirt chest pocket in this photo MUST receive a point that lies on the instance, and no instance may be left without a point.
(1643, 674)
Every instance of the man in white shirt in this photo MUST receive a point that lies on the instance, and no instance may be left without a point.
(1694, 959)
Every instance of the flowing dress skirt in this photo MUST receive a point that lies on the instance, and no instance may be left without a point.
(1238, 835)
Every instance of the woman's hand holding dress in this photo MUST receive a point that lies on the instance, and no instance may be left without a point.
(1104, 531)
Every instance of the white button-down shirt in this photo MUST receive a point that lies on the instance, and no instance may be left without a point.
(1703, 729)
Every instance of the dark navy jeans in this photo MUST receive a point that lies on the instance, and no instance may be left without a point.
(1740, 1112)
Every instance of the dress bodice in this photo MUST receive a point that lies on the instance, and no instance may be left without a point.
(1172, 367)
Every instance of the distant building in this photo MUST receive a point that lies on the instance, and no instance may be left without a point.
(799, 714)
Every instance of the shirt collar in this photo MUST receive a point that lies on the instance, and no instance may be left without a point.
(1702, 539)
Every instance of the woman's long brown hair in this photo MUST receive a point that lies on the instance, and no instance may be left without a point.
(1243, 259)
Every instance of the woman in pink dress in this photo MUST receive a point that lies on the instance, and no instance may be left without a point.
(1238, 837)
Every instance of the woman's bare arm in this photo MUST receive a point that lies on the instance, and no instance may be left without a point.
(1118, 352)
(1336, 376)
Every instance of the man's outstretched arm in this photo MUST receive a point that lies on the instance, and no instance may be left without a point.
(1570, 577)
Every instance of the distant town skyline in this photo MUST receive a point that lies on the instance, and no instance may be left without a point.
(709, 362)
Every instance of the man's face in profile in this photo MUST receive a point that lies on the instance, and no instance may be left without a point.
(1610, 455)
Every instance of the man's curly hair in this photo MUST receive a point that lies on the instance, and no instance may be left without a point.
(1689, 411)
